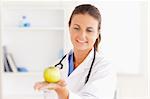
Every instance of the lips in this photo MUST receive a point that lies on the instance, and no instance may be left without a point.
(81, 41)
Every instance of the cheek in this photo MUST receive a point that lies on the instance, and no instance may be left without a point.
(92, 39)
(72, 36)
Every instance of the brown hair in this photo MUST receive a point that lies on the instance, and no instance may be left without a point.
(92, 11)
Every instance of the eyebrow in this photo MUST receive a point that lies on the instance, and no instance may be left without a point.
(87, 27)
(90, 27)
(77, 25)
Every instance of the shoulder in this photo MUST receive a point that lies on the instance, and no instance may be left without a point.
(101, 60)
(103, 65)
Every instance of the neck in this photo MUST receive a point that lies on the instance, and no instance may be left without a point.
(79, 56)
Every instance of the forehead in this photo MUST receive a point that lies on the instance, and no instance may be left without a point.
(84, 19)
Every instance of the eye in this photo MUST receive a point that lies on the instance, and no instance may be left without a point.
(89, 30)
(76, 28)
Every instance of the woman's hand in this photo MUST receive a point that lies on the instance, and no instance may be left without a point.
(59, 87)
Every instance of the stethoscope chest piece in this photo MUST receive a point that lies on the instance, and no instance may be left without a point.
(60, 65)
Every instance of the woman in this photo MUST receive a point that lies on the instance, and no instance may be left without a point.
(85, 73)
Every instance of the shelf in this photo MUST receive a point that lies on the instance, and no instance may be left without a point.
(23, 97)
(22, 74)
(33, 29)
(35, 5)
(35, 8)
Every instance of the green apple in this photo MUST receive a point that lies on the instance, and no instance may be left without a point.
(52, 74)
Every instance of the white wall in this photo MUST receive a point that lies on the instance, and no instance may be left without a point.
(0, 53)
(136, 86)
(149, 49)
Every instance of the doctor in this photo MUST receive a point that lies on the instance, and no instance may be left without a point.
(85, 72)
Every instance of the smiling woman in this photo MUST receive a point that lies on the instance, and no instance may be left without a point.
(85, 73)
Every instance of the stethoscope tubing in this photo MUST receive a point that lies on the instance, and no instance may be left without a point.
(90, 70)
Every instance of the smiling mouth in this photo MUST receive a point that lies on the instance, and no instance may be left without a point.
(80, 41)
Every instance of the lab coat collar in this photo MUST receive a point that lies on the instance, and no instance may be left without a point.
(85, 65)
(87, 59)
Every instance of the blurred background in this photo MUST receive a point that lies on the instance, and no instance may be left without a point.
(34, 33)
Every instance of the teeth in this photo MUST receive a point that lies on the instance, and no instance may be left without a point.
(81, 41)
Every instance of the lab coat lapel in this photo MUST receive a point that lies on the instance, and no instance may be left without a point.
(84, 66)
(76, 79)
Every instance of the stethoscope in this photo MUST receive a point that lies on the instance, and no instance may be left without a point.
(60, 65)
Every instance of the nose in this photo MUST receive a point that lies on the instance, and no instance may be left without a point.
(82, 35)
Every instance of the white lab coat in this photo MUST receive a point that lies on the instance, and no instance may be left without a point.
(101, 83)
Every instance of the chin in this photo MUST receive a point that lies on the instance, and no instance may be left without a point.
(82, 48)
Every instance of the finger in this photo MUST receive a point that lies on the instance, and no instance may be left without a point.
(38, 85)
(53, 86)
(62, 83)
(50, 86)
